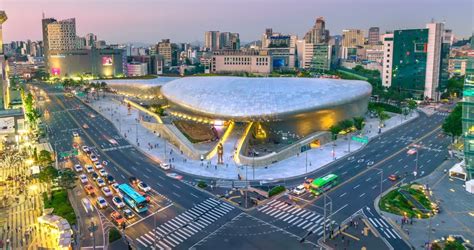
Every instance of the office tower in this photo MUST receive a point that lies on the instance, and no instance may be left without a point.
(352, 38)
(229, 41)
(62, 35)
(415, 61)
(91, 39)
(164, 49)
(374, 35)
(318, 33)
(468, 119)
(212, 40)
(4, 84)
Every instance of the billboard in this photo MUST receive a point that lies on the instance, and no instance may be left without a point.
(107, 61)
(55, 71)
(7, 125)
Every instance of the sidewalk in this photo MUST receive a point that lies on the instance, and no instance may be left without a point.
(129, 126)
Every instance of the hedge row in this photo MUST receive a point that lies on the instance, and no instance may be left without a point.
(276, 190)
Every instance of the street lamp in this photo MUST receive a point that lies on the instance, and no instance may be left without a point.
(325, 214)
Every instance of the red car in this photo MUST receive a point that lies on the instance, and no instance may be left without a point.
(393, 177)
(89, 190)
(147, 197)
(117, 218)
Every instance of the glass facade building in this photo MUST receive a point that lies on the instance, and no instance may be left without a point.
(468, 119)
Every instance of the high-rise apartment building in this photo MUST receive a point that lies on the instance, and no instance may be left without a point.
(62, 35)
(164, 49)
(91, 39)
(468, 119)
(212, 40)
(318, 33)
(4, 81)
(415, 61)
(374, 36)
(352, 38)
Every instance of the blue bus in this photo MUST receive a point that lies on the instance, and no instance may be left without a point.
(133, 199)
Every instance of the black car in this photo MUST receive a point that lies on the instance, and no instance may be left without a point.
(94, 175)
(110, 179)
(133, 180)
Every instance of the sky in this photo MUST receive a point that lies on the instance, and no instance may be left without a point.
(149, 21)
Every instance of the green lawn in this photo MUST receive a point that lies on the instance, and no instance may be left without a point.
(394, 202)
(420, 197)
(62, 207)
(114, 234)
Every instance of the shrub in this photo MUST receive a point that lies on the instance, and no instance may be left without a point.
(202, 184)
(114, 234)
(387, 107)
(276, 190)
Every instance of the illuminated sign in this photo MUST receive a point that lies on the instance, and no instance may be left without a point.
(107, 61)
(55, 71)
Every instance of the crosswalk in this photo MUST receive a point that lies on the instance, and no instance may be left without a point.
(296, 216)
(384, 228)
(175, 231)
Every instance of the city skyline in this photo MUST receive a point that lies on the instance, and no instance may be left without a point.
(183, 27)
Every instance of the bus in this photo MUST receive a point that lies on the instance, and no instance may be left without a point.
(321, 185)
(133, 198)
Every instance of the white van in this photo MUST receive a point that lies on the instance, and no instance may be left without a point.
(86, 203)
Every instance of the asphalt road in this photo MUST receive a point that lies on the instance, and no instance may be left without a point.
(359, 180)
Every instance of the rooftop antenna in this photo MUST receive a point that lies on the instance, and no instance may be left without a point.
(43, 14)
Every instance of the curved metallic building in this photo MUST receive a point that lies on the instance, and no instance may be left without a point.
(302, 105)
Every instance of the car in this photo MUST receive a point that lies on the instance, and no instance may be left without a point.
(78, 168)
(86, 203)
(100, 182)
(75, 134)
(89, 189)
(127, 213)
(94, 175)
(115, 187)
(393, 177)
(133, 180)
(101, 202)
(85, 126)
(175, 176)
(411, 151)
(106, 191)
(86, 149)
(118, 202)
(110, 179)
(143, 186)
(89, 169)
(165, 166)
(93, 157)
(97, 165)
(83, 178)
(102, 172)
(147, 197)
(299, 190)
(307, 183)
(117, 218)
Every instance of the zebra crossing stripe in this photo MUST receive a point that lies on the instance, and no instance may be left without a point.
(271, 202)
(149, 237)
(144, 239)
(279, 206)
(287, 218)
(194, 227)
(206, 206)
(161, 230)
(274, 212)
(301, 212)
(194, 213)
(296, 211)
(292, 219)
(317, 216)
(141, 242)
(261, 208)
(227, 205)
(186, 232)
(180, 220)
(167, 227)
(298, 221)
(292, 209)
(178, 235)
(390, 232)
(395, 232)
(168, 242)
(279, 213)
(172, 224)
(381, 221)
(302, 223)
(373, 222)
(307, 225)
(320, 219)
(157, 232)
(312, 228)
(188, 217)
(269, 208)
(200, 209)
(164, 245)
(388, 236)
(285, 215)
(175, 239)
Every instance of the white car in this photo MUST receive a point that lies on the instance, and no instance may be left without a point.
(164, 166)
(89, 169)
(143, 186)
(83, 178)
(97, 165)
(299, 190)
(101, 202)
(118, 202)
(75, 134)
(93, 157)
(115, 187)
(106, 191)
(86, 149)
(78, 168)
(86, 203)
(100, 182)
(103, 173)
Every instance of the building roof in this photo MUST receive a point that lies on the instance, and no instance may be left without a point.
(139, 83)
(240, 97)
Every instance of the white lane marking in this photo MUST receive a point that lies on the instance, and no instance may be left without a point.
(362, 195)
(358, 185)
(342, 195)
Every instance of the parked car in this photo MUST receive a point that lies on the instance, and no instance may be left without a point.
(101, 202)
(127, 213)
(165, 166)
(102, 172)
(83, 178)
(100, 182)
(117, 218)
(89, 189)
(106, 191)
(299, 190)
(118, 202)
(143, 186)
(78, 168)
(86, 203)
(89, 169)
(97, 165)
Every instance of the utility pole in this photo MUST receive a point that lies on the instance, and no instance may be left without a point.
(325, 213)
(92, 230)
(306, 161)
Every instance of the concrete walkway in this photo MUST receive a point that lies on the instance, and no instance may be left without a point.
(129, 126)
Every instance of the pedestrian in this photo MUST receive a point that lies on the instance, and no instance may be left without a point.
(215, 167)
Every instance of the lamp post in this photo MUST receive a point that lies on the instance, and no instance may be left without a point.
(306, 161)
(325, 213)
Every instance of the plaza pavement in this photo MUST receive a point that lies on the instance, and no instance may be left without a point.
(128, 124)
(455, 203)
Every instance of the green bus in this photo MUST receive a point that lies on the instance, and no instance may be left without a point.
(320, 185)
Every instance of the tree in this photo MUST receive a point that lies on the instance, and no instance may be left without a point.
(412, 105)
(359, 122)
(453, 123)
(47, 175)
(44, 158)
(455, 86)
(381, 115)
(346, 124)
(67, 179)
(335, 130)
